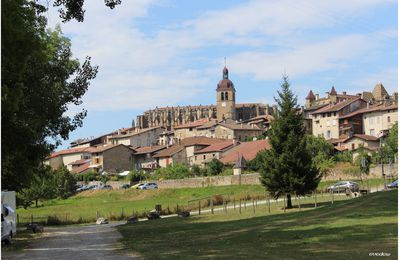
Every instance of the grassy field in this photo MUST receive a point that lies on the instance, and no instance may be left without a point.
(86, 205)
(348, 229)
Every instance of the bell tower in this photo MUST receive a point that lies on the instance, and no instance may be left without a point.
(226, 98)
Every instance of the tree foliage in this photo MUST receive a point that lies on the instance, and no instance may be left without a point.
(287, 167)
(321, 152)
(389, 150)
(40, 80)
(215, 166)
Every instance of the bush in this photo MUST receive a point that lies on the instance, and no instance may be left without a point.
(114, 178)
(345, 156)
(215, 166)
(176, 171)
(88, 176)
(136, 176)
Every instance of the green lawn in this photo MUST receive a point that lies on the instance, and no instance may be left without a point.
(112, 204)
(106, 202)
(348, 229)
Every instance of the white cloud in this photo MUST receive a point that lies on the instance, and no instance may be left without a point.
(142, 69)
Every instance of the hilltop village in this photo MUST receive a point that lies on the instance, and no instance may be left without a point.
(229, 132)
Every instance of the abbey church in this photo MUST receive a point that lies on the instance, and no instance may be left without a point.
(225, 108)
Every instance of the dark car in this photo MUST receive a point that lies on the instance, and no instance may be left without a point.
(125, 186)
(106, 187)
(393, 185)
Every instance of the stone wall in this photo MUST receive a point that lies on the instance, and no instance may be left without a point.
(253, 178)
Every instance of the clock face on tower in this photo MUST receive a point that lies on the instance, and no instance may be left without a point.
(223, 104)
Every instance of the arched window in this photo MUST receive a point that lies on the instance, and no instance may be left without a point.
(226, 96)
(222, 96)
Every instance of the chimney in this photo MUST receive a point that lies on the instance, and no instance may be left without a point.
(344, 93)
(316, 96)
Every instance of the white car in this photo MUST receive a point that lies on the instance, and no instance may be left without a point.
(8, 216)
(342, 186)
(148, 186)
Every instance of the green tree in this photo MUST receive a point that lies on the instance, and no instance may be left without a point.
(40, 81)
(42, 187)
(321, 152)
(215, 166)
(65, 182)
(389, 149)
(287, 166)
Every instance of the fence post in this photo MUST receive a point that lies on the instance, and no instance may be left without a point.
(212, 206)
(122, 212)
(234, 204)
(332, 197)
(298, 201)
(225, 207)
(31, 218)
(199, 208)
(245, 204)
(254, 209)
(66, 217)
(256, 203)
(17, 219)
(240, 206)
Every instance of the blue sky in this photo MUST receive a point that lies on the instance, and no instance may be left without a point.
(158, 53)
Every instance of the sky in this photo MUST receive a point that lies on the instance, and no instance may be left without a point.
(171, 52)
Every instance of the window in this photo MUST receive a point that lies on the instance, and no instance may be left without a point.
(353, 146)
(389, 119)
(372, 132)
(226, 96)
(329, 114)
(323, 115)
(204, 157)
(334, 113)
(222, 96)
(213, 154)
(328, 134)
(195, 158)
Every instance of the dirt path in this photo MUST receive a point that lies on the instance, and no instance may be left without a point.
(74, 242)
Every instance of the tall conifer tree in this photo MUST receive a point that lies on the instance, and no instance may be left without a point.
(287, 166)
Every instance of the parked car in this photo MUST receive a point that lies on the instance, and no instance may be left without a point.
(342, 186)
(148, 186)
(106, 187)
(125, 186)
(136, 186)
(393, 185)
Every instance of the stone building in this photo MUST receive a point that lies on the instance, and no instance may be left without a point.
(226, 107)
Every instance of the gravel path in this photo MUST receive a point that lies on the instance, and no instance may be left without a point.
(75, 242)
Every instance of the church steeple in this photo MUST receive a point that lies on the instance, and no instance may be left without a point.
(225, 73)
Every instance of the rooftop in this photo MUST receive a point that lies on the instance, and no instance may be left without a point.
(217, 147)
(248, 150)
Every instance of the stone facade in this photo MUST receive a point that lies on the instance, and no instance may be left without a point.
(226, 107)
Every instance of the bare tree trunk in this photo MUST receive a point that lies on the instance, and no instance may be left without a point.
(289, 201)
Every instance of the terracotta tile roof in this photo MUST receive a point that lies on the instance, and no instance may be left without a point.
(240, 126)
(248, 150)
(341, 148)
(193, 124)
(208, 125)
(149, 149)
(169, 151)
(70, 151)
(316, 107)
(78, 162)
(259, 119)
(217, 147)
(81, 168)
(364, 137)
(310, 95)
(336, 107)
(100, 149)
(141, 131)
(371, 108)
(200, 140)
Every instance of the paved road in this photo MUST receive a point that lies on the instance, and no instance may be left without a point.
(74, 242)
